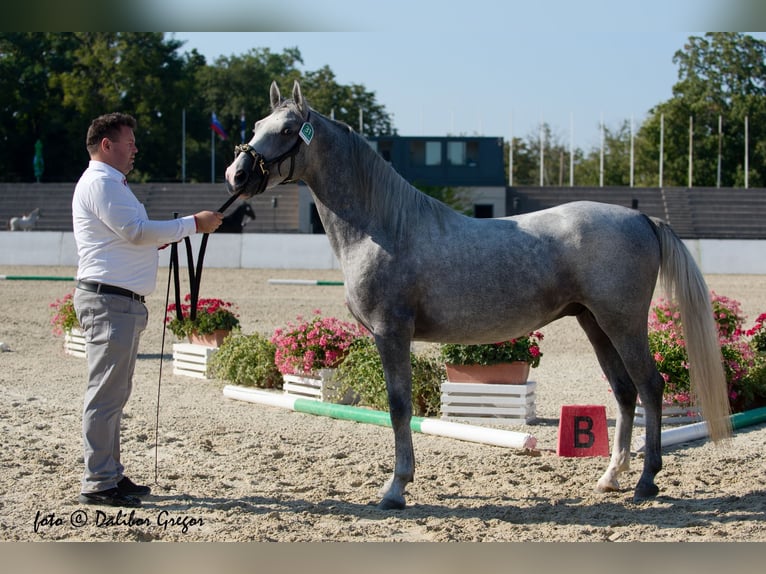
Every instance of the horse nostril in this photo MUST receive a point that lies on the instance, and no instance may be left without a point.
(240, 177)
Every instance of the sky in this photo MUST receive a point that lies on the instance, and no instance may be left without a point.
(487, 67)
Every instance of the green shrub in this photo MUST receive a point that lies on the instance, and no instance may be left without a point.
(753, 387)
(247, 360)
(362, 372)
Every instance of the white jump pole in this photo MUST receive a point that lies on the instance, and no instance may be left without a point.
(303, 282)
(696, 431)
(435, 427)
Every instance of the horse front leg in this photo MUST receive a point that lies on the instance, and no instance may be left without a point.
(395, 356)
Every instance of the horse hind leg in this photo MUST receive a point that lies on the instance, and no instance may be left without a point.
(624, 356)
(625, 394)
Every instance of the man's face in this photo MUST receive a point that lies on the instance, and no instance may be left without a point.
(121, 153)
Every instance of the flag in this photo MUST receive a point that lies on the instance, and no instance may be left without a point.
(242, 126)
(216, 126)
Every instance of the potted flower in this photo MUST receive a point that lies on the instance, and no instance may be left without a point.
(505, 362)
(668, 347)
(64, 321)
(308, 351)
(306, 347)
(214, 321)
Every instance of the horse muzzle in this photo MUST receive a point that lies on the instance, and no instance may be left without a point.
(248, 174)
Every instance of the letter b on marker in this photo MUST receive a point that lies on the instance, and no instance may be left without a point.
(582, 431)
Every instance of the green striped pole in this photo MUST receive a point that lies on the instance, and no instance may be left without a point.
(699, 430)
(436, 427)
(34, 278)
(303, 282)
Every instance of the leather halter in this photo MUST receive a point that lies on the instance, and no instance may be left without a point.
(264, 166)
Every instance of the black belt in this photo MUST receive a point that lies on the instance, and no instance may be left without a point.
(109, 290)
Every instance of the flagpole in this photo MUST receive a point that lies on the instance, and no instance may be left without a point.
(183, 145)
(212, 155)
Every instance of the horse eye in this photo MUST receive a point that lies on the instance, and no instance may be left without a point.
(287, 132)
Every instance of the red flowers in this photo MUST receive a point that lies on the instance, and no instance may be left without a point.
(212, 315)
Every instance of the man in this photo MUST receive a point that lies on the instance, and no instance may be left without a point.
(117, 249)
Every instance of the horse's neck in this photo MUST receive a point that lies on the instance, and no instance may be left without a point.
(360, 193)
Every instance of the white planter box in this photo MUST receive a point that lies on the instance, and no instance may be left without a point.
(324, 389)
(191, 360)
(488, 403)
(671, 415)
(74, 343)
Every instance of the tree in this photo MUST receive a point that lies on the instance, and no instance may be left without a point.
(30, 103)
(138, 73)
(328, 97)
(722, 74)
(53, 84)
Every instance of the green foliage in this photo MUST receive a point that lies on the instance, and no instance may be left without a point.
(525, 349)
(743, 365)
(53, 83)
(212, 315)
(362, 372)
(247, 360)
(457, 199)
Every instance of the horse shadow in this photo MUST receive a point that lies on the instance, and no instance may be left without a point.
(663, 512)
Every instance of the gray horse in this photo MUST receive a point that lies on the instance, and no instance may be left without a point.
(414, 269)
(25, 222)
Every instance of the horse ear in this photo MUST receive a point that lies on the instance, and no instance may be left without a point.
(274, 95)
(299, 101)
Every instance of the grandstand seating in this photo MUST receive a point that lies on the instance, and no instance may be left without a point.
(697, 213)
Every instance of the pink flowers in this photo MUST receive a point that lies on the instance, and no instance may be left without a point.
(305, 347)
(667, 345)
(64, 317)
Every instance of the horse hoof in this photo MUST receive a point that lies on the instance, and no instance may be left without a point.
(607, 486)
(644, 493)
(392, 504)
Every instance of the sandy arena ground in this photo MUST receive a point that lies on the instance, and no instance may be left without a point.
(237, 471)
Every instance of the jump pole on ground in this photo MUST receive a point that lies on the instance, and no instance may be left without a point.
(696, 431)
(303, 282)
(435, 427)
(34, 278)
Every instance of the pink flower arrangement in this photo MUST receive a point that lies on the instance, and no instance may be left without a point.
(758, 334)
(305, 347)
(668, 347)
(64, 317)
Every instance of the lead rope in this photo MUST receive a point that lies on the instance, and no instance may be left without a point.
(194, 284)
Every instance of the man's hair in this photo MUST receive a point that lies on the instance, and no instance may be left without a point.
(107, 126)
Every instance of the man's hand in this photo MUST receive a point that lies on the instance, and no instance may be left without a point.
(208, 221)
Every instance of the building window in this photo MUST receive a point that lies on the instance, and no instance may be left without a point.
(456, 153)
(427, 153)
(463, 153)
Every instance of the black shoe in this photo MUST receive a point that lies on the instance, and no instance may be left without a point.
(109, 497)
(129, 488)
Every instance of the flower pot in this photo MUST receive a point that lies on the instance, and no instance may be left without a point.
(213, 339)
(323, 388)
(671, 415)
(515, 373)
(74, 343)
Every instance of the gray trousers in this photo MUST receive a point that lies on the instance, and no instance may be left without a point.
(112, 325)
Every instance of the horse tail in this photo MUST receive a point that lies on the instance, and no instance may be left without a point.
(683, 282)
